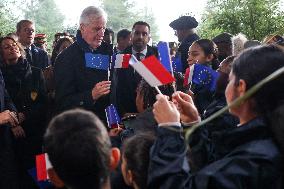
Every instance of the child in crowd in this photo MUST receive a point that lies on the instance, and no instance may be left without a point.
(79, 151)
(203, 52)
(246, 156)
(135, 160)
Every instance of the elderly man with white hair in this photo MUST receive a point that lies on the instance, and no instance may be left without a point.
(81, 70)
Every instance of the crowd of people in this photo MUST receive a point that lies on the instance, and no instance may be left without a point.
(56, 105)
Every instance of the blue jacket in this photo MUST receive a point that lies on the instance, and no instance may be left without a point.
(245, 157)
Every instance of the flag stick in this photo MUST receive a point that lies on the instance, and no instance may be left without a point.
(108, 74)
(158, 90)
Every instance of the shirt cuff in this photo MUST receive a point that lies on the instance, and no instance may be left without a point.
(189, 124)
(170, 124)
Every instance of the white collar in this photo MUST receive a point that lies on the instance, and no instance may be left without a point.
(144, 52)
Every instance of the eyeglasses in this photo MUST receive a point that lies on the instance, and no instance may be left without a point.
(29, 30)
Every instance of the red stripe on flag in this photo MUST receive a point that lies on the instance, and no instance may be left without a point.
(125, 61)
(41, 167)
(186, 76)
(158, 70)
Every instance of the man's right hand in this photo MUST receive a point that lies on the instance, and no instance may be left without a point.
(8, 117)
(102, 88)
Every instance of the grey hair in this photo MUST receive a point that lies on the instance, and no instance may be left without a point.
(90, 13)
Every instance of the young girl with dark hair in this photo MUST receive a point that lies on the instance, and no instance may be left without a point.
(249, 155)
(204, 52)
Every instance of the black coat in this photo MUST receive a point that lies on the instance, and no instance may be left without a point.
(201, 151)
(74, 81)
(8, 165)
(183, 49)
(26, 87)
(246, 157)
(124, 84)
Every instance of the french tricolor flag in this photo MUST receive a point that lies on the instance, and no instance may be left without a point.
(122, 60)
(188, 75)
(42, 165)
(152, 71)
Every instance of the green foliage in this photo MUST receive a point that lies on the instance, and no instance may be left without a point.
(46, 15)
(122, 14)
(7, 20)
(254, 18)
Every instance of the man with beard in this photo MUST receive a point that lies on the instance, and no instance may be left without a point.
(125, 81)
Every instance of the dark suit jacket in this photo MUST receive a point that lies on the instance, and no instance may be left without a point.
(124, 84)
(40, 57)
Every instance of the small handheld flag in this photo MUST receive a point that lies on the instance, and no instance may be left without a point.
(112, 116)
(152, 71)
(42, 165)
(122, 60)
(205, 76)
(164, 55)
(176, 63)
(97, 61)
(41, 184)
(188, 75)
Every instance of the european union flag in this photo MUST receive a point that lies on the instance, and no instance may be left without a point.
(164, 55)
(97, 61)
(205, 76)
(112, 116)
(176, 63)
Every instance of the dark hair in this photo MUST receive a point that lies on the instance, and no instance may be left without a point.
(20, 24)
(209, 47)
(11, 38)
(136, 151)
(149, 93)
(124, 33)
(223, 77)
(79, 149)
(109, 31)
(57, 46)
(252, 66)
(141, 23)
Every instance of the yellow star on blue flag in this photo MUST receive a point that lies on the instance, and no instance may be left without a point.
(97, 61)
